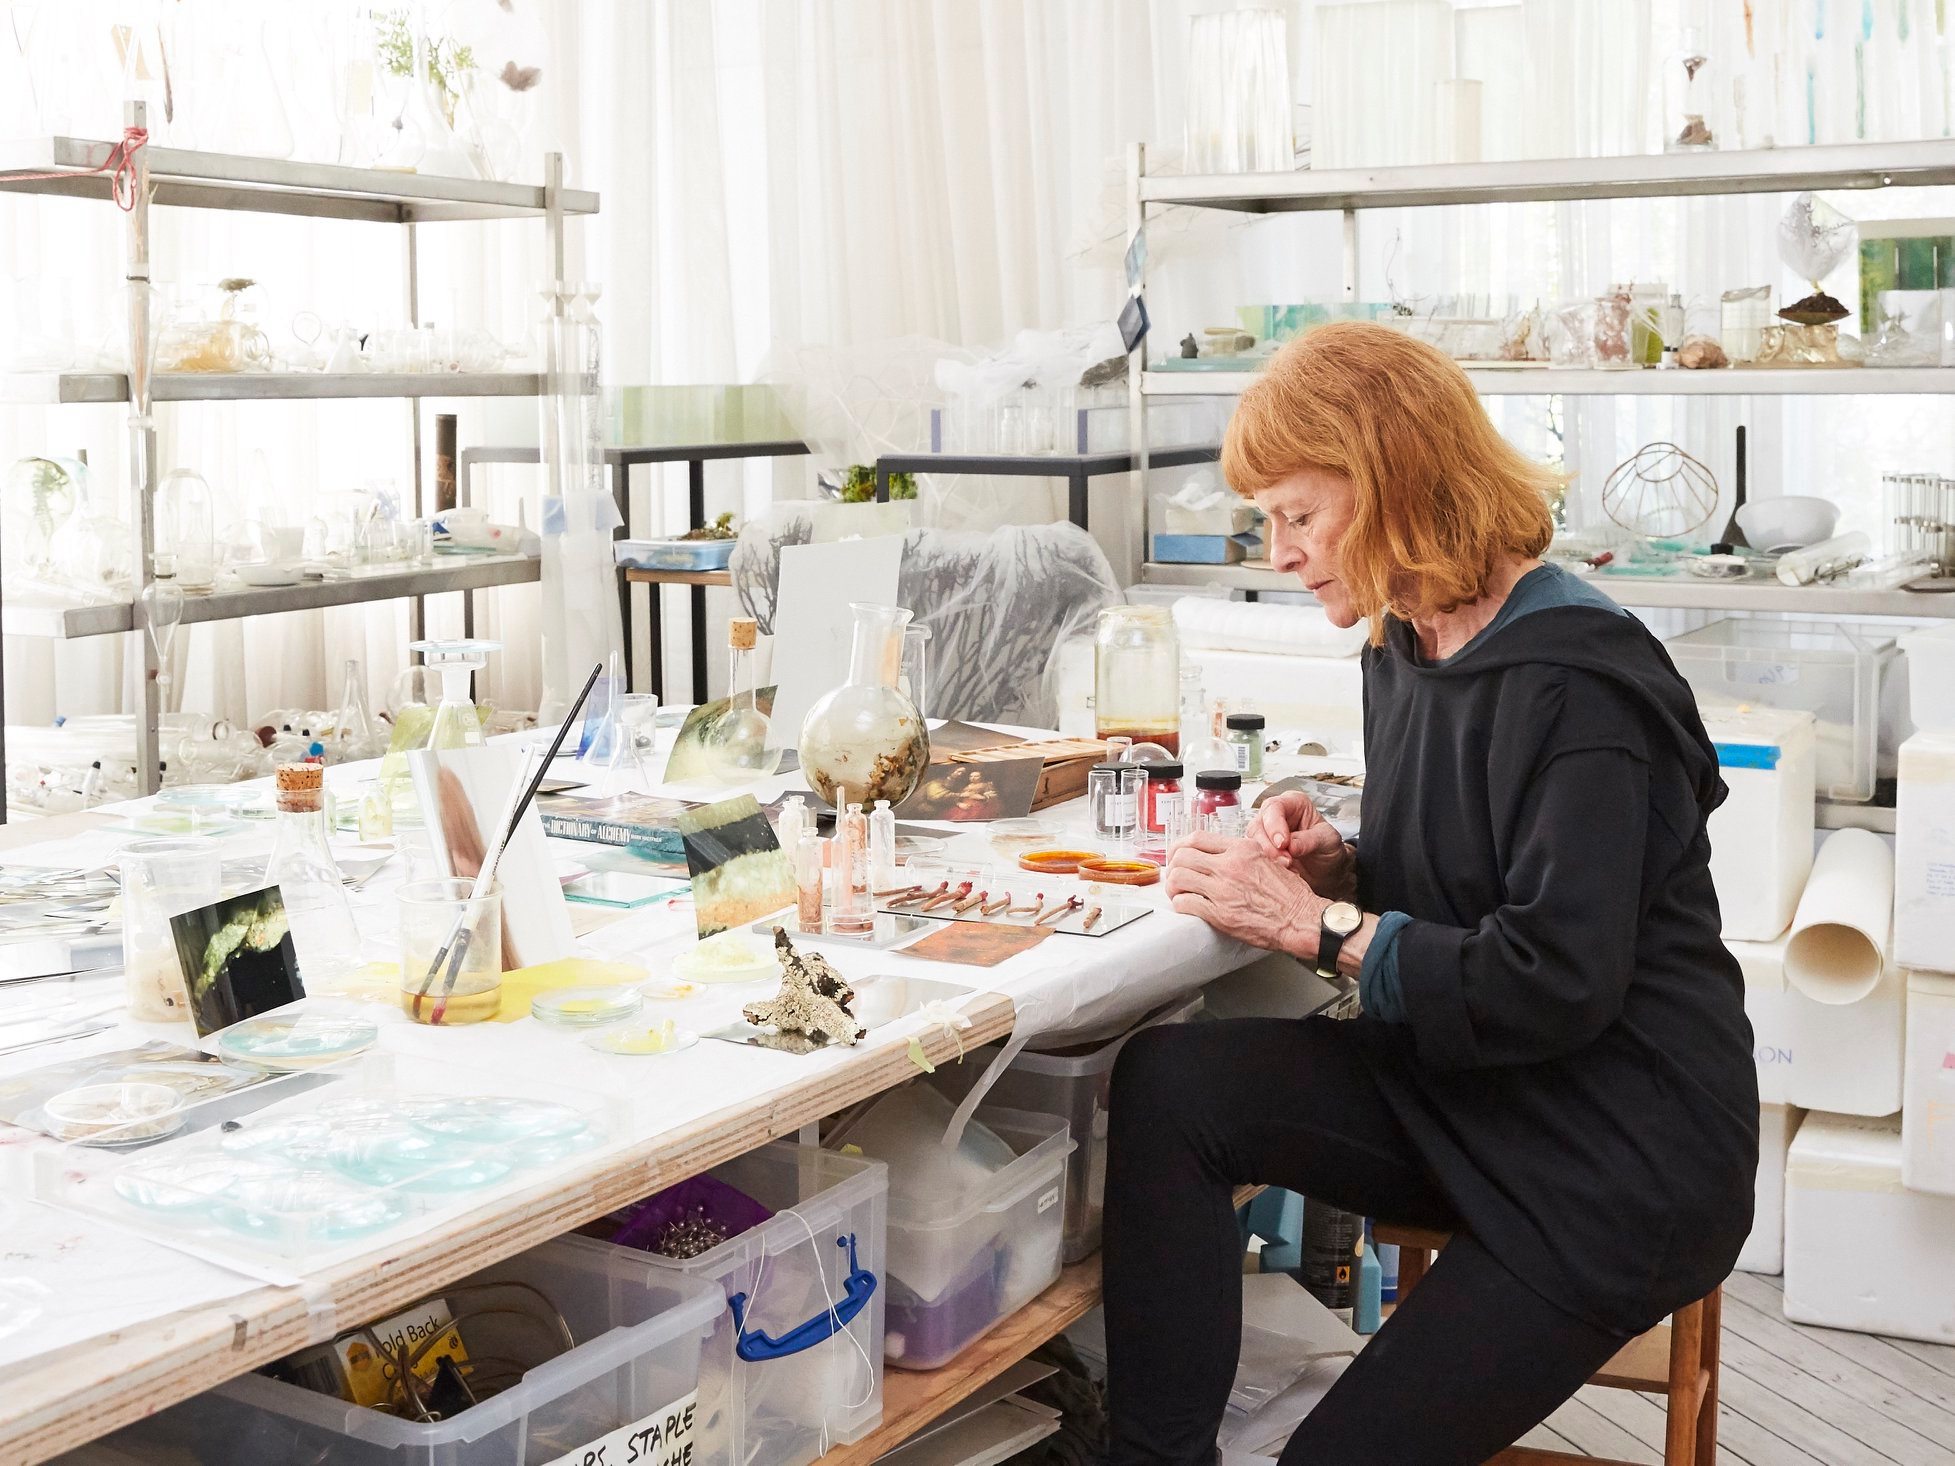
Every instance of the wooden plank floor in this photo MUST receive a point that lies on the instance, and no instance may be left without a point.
(1792, 1396)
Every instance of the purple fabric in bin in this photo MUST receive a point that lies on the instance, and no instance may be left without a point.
(643, 1223)
(931, 1333)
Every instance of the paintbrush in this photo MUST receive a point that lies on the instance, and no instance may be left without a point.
(455, 949)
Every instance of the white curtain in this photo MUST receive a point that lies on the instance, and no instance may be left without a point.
(783, 173)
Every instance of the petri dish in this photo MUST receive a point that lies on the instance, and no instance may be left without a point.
(186, 1185)
(113, 1114)
(1055, 862)
(309, 1138)
(1012, 838)
(645, 1040)
(908, 847)
(286, 1043)
(316, 1205)
(495, 1119)
(415, 1162)
(732, 956)
(586, 1007)
(1119, 871)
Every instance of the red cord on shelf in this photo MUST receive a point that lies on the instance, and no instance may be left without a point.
(120, 165)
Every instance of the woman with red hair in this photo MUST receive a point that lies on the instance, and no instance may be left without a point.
(1551, 1060)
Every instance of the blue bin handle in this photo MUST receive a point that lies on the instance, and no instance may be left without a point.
(757, 1347)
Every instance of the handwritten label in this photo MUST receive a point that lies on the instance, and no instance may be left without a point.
(1048, 1201)
(662, 1438)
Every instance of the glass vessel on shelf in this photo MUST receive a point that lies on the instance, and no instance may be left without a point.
(1137, 676)
(866, 736)
(308, 879)
(740, 745)
(185, 547)
(40, 495)
(1687, 90)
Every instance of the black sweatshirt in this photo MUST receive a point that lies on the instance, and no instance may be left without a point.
(1575, 1062)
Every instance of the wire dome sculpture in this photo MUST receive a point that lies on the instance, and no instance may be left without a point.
(1660, 492)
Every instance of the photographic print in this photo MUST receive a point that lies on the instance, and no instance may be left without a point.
(739, 871)
(237, 954)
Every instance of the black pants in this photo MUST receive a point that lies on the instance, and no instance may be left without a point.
(1471, 1361)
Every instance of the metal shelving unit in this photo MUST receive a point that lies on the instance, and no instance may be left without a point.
(179, 178)
(1665, 175)
(1075, 468)
(1255, 577)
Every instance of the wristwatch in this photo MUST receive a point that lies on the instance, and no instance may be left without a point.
(1340, 920)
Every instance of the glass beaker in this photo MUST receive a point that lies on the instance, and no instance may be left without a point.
(1137, 676)
(865, 736)
(186, 531)
(162, 879)
(442, 920)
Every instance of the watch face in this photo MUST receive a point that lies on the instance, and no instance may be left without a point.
(1343, 918)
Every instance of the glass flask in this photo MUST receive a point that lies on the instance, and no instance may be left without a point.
(740, 745)
(40, 495)
(186, 531)
(308, 879)
(352, 735)
(456, 723)
(865, 736)
(1687, 97)
(916, 668)
(1137, 676)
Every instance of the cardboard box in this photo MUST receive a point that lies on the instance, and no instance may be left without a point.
(1861, 1251)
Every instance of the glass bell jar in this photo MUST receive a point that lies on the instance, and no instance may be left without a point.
(1137, 676)
(866, 737)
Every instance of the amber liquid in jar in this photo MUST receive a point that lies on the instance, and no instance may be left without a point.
(1169, 737)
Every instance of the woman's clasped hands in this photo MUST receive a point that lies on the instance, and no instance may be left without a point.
(1269, 887)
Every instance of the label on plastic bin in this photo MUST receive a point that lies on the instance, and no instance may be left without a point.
(662, 1438)
(1048, 1201)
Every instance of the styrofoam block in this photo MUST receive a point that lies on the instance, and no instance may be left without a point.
(1764, 1249)
(1928, 1093)
(1861, 1251)
(1848, 1056)
(1321, 696)
(1761, 836)
(1924, 853)
(1768, 1007)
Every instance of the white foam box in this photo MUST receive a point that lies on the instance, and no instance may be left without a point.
(1844, 1057)
(1321, 696)
(1763, 964)
(1861, 1251)
(1928, 1091)
(1764, 1249)
(1761, 836)
(1924, 853)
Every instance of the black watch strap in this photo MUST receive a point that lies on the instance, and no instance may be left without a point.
(1329, 944)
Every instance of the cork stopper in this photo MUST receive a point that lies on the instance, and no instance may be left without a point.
(741, 633)
(301, 787)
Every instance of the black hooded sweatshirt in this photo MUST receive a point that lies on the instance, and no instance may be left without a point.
(1575, 1066)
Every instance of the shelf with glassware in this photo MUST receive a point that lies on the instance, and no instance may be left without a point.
(49, 616)
(1541, 380)
(142, 175)
(1680, 592)
(189, 179)
(56, 388)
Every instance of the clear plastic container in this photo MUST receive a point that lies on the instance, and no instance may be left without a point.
(1931, 679)
(962, 1261)
(1074, 1084)
(639, 1334)
(763, 1401)
(1839, 671)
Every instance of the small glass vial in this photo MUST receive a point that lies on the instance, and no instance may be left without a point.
(1113, 798)
(882, 847)
(1245, 741)
(1218, 802)
(854, 912)
(1162, 797)
(1117, 749)
(809, 858)
(793, 822)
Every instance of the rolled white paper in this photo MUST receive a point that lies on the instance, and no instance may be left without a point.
(1837, 948)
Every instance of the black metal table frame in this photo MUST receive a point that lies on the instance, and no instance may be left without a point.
(620, 462)
(1074, 468)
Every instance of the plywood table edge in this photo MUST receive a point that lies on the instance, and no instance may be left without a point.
(76, 1395)
(639, 576)
(912, 1399)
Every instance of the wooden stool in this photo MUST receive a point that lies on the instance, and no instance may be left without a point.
(1677, 1360)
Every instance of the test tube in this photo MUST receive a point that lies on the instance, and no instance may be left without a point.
(854, 913)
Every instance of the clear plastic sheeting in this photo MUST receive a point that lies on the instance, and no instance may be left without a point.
(853, 404)
(999, 604)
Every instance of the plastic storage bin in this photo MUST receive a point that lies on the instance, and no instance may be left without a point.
(1839, 671)
(1931, 679)
(636, 1366)
(959, 1263)
(1073, 1084)
(778, 1386)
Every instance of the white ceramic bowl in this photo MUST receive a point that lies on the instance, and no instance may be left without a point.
(1790, 523)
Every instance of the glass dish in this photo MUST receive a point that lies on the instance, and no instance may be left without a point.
(113, 1114)
(586, 1007)
(287, 1042)
(728, 958)
(649, 1040)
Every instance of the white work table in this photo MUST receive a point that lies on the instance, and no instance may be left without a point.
(180, 1324)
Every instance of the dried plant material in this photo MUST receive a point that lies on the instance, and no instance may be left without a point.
(519, 78)
(1700, 353)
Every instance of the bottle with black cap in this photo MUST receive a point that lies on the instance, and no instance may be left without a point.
(1245, 740)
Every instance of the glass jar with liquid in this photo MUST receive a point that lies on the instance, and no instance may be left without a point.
(1137, 676)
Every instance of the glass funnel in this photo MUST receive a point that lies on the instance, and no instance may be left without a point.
(866, 737)
(456, 723)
